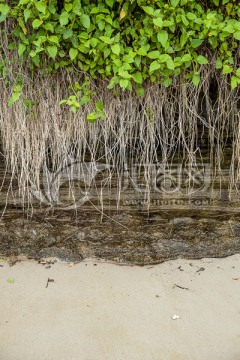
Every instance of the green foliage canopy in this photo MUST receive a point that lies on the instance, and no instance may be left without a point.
(127, 42)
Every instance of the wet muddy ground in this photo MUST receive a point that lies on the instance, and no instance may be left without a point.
(125, 238)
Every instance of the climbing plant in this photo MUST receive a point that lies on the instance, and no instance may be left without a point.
(125, 43)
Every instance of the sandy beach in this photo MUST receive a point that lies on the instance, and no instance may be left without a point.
(177, 310)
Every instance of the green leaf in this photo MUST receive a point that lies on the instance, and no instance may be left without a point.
(218, 64)
(76, 104)
(15, 96)
(10, 280)
(36, 23)
(52, 51)
(148, 9)
(52, 9)
(68, 7)
(128, 58)
(143, 51)
(114, 80)
(73, 109)
(12, 46)
(226, 69)
(101, 115)
(73, 53)
(4, 9)
(94, 42)
(106, 53)
(28, 104)
(126, 66)
(191, 16)
(23, 2)
(17, 87)
(3, 18)
(21, 49)
(99, 106)
(27, 14)
(163, 58)
(53, 39)
(122, 14)
(174, 3)
(110, 3)
(184, 20)
(214, 42)
(106, 39)
(153, 54)
(234, 82)
(115, 49)
(170, 63)
(237, 35)
(229, 29)
(137, 77)
(167, 82)
(85, 21)
(202, 60)
(36, 60)
(140, 91)
(41, 6)
(168, 23)
(92, 117)
(162, 37)
(158, 22)
(67, 34)
(124, 83)
(196, 43)
(117, 62)
(63, 18)
(186, 58)
(154, 66)
(196, 80)
(83, 35)
(124, 73)
(95, 10)
(49, 27)
(101, 25)
(183, 39)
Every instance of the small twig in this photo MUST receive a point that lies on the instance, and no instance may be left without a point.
(48, 281)
(201, 269)
(180, 268)
(181, 287)
(229, 221)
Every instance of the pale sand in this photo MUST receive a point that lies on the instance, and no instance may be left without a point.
(111, 312)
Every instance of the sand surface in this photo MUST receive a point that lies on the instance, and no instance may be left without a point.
(101, 311)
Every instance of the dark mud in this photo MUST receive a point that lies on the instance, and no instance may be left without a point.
(123, 238)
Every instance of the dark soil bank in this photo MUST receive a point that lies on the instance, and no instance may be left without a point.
(123, 238)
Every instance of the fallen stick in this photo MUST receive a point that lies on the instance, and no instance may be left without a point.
(181, 287)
